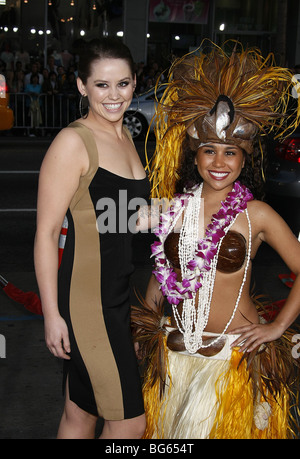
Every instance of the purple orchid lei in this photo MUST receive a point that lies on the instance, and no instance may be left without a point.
(207, 247)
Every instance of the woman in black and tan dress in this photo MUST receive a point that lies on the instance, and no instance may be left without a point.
(92, 166)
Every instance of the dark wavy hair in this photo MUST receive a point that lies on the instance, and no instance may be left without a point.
(251, 175)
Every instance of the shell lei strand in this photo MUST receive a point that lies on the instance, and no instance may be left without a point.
(198, 259)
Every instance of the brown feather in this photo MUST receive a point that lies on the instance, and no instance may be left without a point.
(148, 330)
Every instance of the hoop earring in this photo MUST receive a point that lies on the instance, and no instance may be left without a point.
(83, 106)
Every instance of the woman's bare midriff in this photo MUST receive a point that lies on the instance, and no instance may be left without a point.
(223, 302)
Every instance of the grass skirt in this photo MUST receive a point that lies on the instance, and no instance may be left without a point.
(238, 396)
(206, 398)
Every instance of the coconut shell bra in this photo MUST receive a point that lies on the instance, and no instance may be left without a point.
(231, 257)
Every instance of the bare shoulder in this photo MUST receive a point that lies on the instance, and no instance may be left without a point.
(260, 211)
(68, 150)
(60, 174)
(257, 205)
(267, 223)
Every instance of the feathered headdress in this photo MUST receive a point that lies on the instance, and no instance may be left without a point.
(221, 98)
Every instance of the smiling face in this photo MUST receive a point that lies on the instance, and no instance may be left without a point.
(109, 89)
(219, 164)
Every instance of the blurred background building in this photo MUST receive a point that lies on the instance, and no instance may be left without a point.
(153, 29)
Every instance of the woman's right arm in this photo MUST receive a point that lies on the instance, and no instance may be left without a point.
(59, 178)
(153, 295)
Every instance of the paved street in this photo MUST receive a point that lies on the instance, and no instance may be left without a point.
(30, 378)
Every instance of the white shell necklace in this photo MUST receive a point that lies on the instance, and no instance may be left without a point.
(194, 317)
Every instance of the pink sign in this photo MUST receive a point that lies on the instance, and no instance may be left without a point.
(180, 11)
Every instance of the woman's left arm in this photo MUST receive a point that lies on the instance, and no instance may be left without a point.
(275, 232)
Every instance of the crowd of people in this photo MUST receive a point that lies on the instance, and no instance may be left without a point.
(55, 82)
(27, 75)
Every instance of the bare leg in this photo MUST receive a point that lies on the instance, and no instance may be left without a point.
(75, 422)
(127, 429)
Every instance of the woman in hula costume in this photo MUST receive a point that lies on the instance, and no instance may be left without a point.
(218, 367)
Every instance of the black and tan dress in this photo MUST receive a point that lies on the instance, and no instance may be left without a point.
(94, 291)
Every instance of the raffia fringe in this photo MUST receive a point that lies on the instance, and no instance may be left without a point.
(224, 412)
(153, 401)
(191, 397)
(234, 419)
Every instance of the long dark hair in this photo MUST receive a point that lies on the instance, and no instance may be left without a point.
(102, 48)
(251, 175)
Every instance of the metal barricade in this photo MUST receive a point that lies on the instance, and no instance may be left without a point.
(43, 113)
(19, 103)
